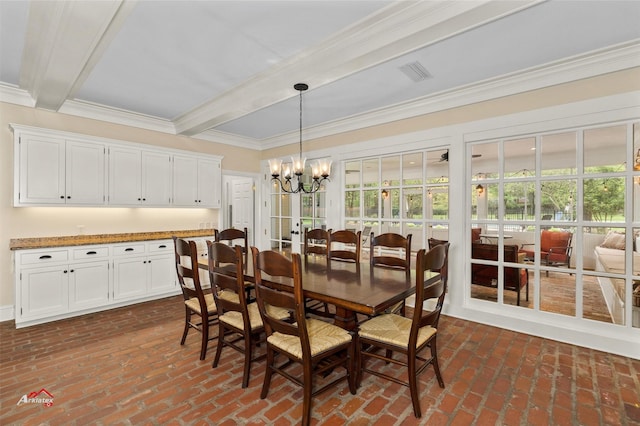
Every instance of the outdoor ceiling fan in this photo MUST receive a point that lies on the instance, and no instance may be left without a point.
(445, 156)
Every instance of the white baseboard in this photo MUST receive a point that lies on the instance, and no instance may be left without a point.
(7, 313)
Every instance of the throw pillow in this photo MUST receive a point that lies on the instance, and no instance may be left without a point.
(614, 240)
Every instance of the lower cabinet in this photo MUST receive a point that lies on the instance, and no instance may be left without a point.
(63, 282)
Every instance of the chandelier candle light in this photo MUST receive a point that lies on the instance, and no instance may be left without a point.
(283, 173)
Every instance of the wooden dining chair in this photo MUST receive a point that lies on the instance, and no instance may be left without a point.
(396, 334)
(319, 347)
(197, 303)
(316, 241)
(239, 323)
(391, 250)
(232, 236)
(345, 245)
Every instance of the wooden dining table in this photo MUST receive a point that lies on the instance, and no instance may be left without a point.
(353, 288)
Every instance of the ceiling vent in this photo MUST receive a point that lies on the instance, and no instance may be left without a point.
(415, 71)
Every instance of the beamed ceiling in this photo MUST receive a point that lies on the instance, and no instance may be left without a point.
(224, 70)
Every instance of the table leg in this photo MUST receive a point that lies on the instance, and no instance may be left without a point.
(345, 318)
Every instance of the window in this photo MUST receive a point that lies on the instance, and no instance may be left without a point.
(554, 211)
(405, 193)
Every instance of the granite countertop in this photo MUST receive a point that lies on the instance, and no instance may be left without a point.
(81, 240)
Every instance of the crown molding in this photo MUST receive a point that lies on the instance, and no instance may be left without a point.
(13, 95)
(617, 58)
(395, 30)
(116, 115)
(229, 139)
(596, 63)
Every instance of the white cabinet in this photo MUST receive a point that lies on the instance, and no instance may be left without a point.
(161, 267)
(68, 281)
(88, 285)
(141, 269)
(156, 178)
(56, 281)
(43, 292)
(59, 171)
(60, 168)
(139, 177)
(196, 182)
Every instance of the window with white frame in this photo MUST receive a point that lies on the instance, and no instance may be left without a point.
(554, 211)
(405, 193)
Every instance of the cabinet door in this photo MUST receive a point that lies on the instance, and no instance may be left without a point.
(156, 178)
(162, 273)
(88, 285)
(125, 172)
(44, 292)
(185, 181)
(209, 183)
(42, 170)
(85, 177)
(129, 277)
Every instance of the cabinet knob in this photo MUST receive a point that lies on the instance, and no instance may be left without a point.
(68, 197)
(62, 197)
(65, 271)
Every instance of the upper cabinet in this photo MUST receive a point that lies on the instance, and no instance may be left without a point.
(60, 168)
(196, 182)
(53, 170)
(139, 177)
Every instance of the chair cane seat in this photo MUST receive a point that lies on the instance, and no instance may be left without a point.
(234, 318)
(393, 329)
(194, 305)
(322, 337)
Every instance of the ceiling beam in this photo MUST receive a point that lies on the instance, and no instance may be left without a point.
(397, 29)
(64, 40)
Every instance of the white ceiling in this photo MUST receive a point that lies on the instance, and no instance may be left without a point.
(225, 70)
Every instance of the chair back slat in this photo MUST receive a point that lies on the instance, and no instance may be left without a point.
(226, 274)
(432, 260)
(231, 236)
(347, 239)
(316, 241)
(191, 287)
(379, 247)
(288, 273)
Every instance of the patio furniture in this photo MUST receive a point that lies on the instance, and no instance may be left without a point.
(555, 248)
(487, 275)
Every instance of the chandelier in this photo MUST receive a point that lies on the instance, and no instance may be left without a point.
(283, 173)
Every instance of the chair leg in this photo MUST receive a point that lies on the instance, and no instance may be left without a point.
(205, 338)
(307, 392)
(413, 385)
(353, 365)
(434, 362)
(187, 319)
(248, 349)
(268, 371)
(220, 344)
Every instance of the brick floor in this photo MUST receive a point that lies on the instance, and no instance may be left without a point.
(126, 366)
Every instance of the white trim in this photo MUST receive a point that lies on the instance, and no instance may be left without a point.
(25, 129)
(115, 115)
(580, 67)
(11, 94)
(591, 334)
(604, 61)
(7, 313)
(229, 139)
